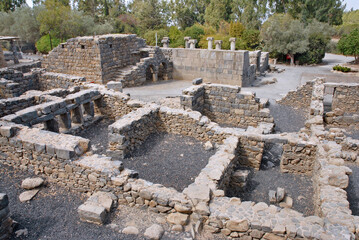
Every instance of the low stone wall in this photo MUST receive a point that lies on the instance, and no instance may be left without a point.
(346, 97)
(217, 66)
(299, 98)
(132, 130)
(14, 83)
(227, 104)
(5, 220)
(50, 80)
(26, 67)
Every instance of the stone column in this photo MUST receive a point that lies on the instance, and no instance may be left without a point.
(13, 49)
(186, 40)
(192, 43)
(218, 44)
(77, 116)
(89, 109)
(165, 41)
(210, 43)
(233, 43)
(65, 120)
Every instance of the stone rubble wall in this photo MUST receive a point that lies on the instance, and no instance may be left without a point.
(217, 66)
(5, 220)
(50, 80)
(2, 59)
(255, 59)
(227, 104)
(299, 98)
(14, 83)
(96, 58)
(346, 97)
(26, 67)
(132, 130)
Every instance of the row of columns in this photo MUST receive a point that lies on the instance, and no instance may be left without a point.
(76, 115)
(191, 43)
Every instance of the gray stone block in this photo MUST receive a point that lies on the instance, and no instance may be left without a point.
(197, 81)
(92, 213)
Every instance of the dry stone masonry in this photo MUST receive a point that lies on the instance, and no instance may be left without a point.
(5, 220)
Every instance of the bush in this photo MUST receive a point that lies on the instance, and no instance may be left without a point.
(250, 39)
(316, 51)
(195, 32)
(176, 37)
(341, 68)
(150, 37)
(349, 44)
(43, 44)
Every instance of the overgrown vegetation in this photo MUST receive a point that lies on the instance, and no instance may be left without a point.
(299, 33)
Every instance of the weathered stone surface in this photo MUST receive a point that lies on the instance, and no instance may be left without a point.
(28, 195)
(238, 225)
(31, 183)
(178, 218)
(104, 199)
(130, 230)
(154, 232)
(4, 200)
(92, 213)
(280, 194)
(198, 193)
(272, 196)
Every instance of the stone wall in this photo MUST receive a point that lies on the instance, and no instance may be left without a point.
(346, 97)
(299, 98)
(50, 80)
(217, 66)
(2, 59)
(14, 83)
(5, 220)
(264, 62)
(227, 104)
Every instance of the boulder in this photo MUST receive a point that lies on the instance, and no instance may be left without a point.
(177, 218)
(154, 232)
(130, 230)
(238, 225)
(31, 183)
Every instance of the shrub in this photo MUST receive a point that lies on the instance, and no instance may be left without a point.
(150, 36)
(349, 44)
(43, 44)
(341, 68)
(316, 51)
(195, 32)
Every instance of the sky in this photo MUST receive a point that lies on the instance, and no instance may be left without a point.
(350, 4)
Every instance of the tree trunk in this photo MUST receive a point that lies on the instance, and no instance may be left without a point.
(291, 59)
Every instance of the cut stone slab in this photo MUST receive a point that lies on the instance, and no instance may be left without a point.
(238, 225)
(177, 218)
(198, 193)
(272, 196)
(28, 195)
(130, 230)
(154, 232)
(92, 213)
(31, 183)
(104, 199)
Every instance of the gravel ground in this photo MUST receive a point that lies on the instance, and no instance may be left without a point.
(298, 187)
(286, 118)
(353, 189)
(98, 134)
(169, 159)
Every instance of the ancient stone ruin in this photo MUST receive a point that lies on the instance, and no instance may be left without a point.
(43, 110)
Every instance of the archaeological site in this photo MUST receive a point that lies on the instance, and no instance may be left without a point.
(212, 159)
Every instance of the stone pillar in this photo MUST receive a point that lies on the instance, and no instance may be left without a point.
(77, 116)
(52, 125)
(89, 109)
(218, 44)
(5, 220)
(210, 43)
(2, 59)
(186, 40)
(233, 43)
(165, 41)
(13, 49)
(65, 120)
(192, 43)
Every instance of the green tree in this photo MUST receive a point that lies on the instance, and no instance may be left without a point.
(349, 44)
(236, 29)
(176, 37)
(195, 32)
(150, 36)
(10, 5)
(283, 34)
(251, 39)
(217, 11)
(149, 15)
(250, 13)
(350, 22)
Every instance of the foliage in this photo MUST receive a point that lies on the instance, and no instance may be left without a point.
(125, 23)
(44, 45)
(350, 23)
(10, 5)
(341, 68)
(236, 29)
(148, 13)
(186, 13)
(176, 37)
(195, 32)
(251, 39)
(21, 22)
(283, 34)
(217, 11)
(150, 36)
(349, 44)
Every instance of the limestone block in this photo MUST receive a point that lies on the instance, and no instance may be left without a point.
(92, 213)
